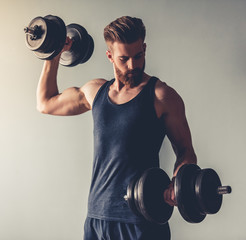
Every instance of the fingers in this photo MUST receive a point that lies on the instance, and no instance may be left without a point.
(169, 196)
(68, 44)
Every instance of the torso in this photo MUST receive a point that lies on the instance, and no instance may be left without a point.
(127, 140)
(124, 94)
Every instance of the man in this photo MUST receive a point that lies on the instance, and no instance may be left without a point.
(132, 113)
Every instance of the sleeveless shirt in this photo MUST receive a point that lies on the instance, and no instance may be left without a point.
(127, 140)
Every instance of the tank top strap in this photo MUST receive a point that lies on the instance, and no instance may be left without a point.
(103, 89)
(151, 86)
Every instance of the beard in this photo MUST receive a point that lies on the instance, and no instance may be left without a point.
(132, 77)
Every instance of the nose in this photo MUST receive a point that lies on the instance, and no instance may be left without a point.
(131, 64)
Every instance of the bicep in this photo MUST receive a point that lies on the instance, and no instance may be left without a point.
(70, 102)
(176, 124)
(178, 132)
(74, 101)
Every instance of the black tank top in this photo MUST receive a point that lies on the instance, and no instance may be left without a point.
(127, 140)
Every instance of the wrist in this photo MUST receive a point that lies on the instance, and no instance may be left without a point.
(52, 63)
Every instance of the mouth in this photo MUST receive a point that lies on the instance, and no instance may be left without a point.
(133, 73)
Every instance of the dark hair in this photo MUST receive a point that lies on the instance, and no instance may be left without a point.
(125, 30)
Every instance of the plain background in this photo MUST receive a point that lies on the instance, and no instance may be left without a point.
(196, 46)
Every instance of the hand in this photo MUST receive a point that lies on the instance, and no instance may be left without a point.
(169, 195)
(68, 44)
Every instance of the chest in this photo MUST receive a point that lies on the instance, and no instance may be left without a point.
(123, 96)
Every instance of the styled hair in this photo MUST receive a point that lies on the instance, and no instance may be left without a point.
(125, 30)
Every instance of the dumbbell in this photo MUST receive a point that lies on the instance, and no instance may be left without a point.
(46, 37)
(198, 192)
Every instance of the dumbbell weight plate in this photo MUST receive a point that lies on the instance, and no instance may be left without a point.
(150, 192)
(206, 186)
(185, 195)
(130, 196)
(56, 32)
(90, 50)
(80, 46)
(136, 197)
(39, 43)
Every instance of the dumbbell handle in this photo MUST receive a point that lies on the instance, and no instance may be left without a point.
(220, 190)
(35, 32)
(29, 30)
(223, 190)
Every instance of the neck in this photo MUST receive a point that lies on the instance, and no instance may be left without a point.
(118, 84)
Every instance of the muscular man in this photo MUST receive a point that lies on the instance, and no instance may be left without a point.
(132, 113)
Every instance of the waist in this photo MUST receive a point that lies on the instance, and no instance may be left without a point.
(109, 186)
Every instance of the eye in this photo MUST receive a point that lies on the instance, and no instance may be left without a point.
(123, 59)
(138, 56)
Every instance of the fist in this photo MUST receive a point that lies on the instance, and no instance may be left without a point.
(169, 195)
(68, 44)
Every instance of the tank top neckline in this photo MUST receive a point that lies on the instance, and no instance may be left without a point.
(131, 100)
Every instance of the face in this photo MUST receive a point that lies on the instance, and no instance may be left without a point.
(128, 61)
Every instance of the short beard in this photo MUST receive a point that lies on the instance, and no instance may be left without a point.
(133, 80)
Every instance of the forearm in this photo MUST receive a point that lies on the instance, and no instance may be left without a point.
(47, 86)
(184, 157)
(187, 156)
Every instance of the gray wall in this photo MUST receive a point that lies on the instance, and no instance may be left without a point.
(198, 47)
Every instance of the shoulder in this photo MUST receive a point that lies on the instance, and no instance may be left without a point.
(166, 98)
(164, 92)
(93, 84)
(91, 88)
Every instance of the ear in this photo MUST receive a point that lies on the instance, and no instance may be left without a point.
(144, 47)
(110, 56)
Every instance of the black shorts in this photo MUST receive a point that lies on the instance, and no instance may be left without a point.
(96, 229)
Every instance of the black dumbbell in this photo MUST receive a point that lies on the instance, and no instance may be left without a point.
(145, 196)
(46, 37)
(198, 192)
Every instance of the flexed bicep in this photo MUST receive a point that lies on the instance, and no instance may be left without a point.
(71, 102)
